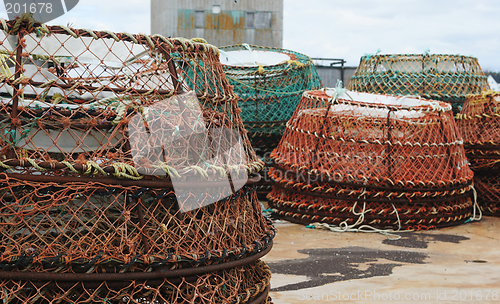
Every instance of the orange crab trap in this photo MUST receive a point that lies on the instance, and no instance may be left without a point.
(479, 123)
(433, 76)
(353, 160)
(126, 172)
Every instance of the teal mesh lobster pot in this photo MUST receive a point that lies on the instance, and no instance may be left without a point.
(270, 83)
(440, 77)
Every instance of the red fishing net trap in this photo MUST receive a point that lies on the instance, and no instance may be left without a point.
(479, 123)
(360, 160)
(127, 175)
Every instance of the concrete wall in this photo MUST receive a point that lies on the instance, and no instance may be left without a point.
(176, 18)
(329, 75)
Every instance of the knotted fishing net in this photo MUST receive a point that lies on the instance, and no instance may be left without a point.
(127, 175)
(479, 123)
(433, 76)
(357, 160)
(270, 83)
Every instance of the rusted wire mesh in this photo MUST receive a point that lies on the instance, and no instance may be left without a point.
(351, 159)
(86, 226)
(124, 155)
(433, 76)
(269, 82)
(479, 122)
(72, 110)
(243, 284)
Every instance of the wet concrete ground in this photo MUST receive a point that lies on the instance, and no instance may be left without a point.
(452, 265)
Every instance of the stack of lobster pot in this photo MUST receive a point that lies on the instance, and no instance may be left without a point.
(126, 172)
(359, 160)
(440, 77)
(479, 123)
(270, 83)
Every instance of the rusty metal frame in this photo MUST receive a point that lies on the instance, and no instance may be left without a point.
(114, 181)
(261, 298)
(127, 276)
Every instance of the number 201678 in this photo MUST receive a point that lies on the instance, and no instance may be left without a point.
(17, 8)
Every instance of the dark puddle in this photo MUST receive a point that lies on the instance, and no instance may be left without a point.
(421, 240)
(324, 266)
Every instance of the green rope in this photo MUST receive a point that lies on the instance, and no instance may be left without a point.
(22, 136)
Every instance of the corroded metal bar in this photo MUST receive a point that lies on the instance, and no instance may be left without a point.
(127, 276)
(115, 181)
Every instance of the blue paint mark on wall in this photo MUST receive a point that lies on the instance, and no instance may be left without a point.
(236, 15)
(186, 18)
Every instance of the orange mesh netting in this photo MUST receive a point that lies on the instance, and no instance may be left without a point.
(479, 122)
(241, 284)
(350, 159)
(127, 175)
(434, 76)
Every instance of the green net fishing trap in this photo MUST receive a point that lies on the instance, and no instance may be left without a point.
(440, 77)
(269, 83)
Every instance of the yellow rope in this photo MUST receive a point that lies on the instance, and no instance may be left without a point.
(261, 70)
(199, 170)
(69, 31)
(165, 40)
(24, 17)
(477, 116)
(42, 30)
(199, 40)
(5, 166)
(221, 170)
(91, 32)
(4, 24)
(70, 167)
(112, 35)
(4, 67)
(482, 97)
(170, 170)
(123, 170)
(35, 165)
(93, 167)
(131, 37)
(295, 62)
